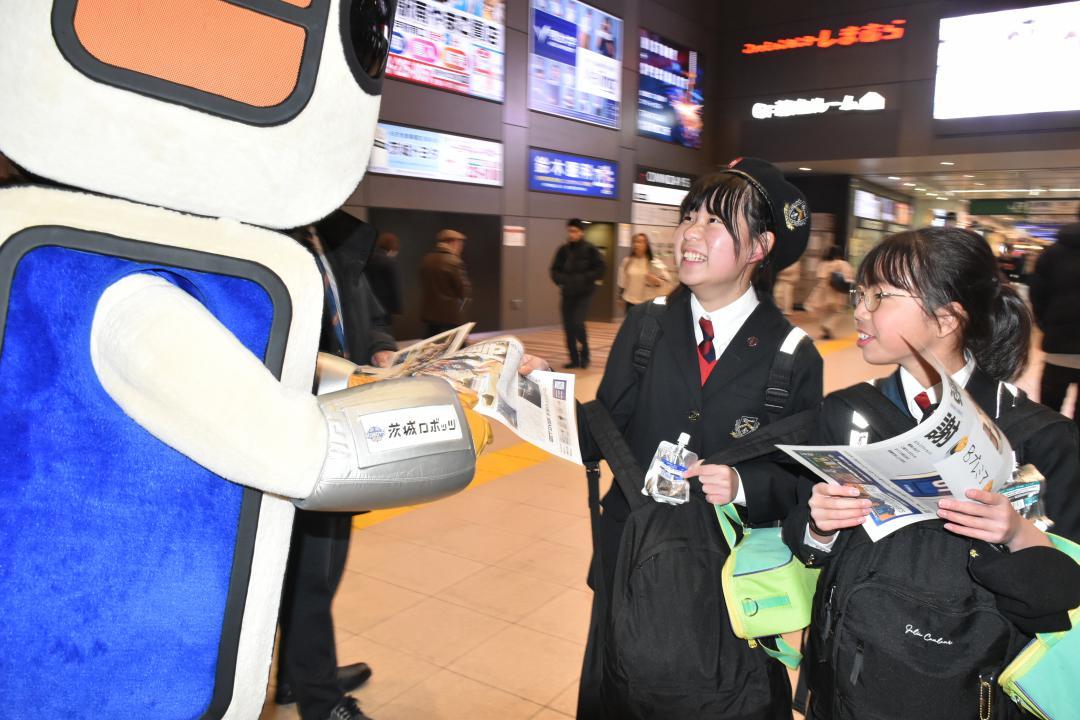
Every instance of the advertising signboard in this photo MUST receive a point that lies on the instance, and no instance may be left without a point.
(456, 45)
(669, 91)
(661, 187)
(556, 172)
(419, 153)
(575, 61)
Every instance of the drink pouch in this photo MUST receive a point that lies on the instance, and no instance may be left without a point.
(664, 481)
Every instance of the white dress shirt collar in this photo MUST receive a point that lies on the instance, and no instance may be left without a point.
(913, 387)
(726, 321)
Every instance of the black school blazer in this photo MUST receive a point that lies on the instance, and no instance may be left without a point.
(669, 398)
(1013, 577)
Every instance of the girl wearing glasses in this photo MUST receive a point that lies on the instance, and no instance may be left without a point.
(926, 618)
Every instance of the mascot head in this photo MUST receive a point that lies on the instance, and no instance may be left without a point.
(258, 110)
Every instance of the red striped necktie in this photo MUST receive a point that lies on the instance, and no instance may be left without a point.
(706, 348)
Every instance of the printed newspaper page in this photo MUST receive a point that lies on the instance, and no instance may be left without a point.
(539, 408)
(955, 449)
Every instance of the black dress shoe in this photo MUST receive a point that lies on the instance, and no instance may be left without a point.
(571, 365)
(349, 677)
(347, 709)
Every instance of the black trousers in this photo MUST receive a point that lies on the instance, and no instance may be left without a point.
(307, 656)
(574, 309)
(1055, 383)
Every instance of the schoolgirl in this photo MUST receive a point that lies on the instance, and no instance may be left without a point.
(921, 623)
(706, 376)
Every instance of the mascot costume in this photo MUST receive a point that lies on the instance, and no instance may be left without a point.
(158, 342)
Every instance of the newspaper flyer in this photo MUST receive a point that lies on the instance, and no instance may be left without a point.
(955, 449)
(539, 408)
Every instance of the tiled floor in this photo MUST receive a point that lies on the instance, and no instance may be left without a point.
(476, 606)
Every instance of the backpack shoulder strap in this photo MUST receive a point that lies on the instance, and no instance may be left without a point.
(876, 409)
(778, 389)
(628, 474)
(649, 334)
(1019, 417)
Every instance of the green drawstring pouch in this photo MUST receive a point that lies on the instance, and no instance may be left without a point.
(1043, 679)
(767, 589)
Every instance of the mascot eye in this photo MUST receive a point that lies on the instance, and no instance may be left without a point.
(369, 28)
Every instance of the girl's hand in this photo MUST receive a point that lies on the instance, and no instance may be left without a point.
(720, 482)
(835, 507)
(990, 518)
(530, 363)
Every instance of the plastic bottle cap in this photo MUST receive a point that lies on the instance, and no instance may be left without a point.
(684, 438)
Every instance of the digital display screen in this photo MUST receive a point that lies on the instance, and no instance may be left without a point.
(1011, 62)
(456, 45)
(670, 99)
(575, 61)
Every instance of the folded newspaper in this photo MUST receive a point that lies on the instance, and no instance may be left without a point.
(539, 407)
(955, 449)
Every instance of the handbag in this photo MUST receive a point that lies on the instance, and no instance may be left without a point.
(767, 590)
(1042, 679)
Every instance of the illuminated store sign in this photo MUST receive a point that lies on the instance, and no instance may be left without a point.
(850, 35)
(414, 152)
(661, 187)
(454, 46)
(575, 61)
(817, 106)
(557, 172)
(669, 91)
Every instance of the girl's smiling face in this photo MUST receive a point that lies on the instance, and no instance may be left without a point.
(899, 328)
(705, 253)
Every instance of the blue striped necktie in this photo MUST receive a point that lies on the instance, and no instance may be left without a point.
(333, 297)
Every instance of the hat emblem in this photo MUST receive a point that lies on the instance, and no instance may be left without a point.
(796, 214)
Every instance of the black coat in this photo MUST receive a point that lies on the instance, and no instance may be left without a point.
(1031, 587)
(348, 246)
(577, 267)
(669, 399)
(382, 274)
(1055, 293)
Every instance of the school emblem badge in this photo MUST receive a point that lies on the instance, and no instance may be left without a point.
(744, 426)
(796, 214)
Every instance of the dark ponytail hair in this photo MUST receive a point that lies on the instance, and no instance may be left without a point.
(946, 265)
(729, 196)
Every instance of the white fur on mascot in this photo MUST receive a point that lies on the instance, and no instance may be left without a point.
(159, 343)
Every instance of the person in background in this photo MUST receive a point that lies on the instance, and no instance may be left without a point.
(950, 219)
(830, 296)
(641, 276)
(577, 267)
(308, 673)
(1055, 300)
(445, 287)
(382, 275)
(784, 290)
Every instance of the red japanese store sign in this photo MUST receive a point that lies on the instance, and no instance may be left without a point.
(850, 35)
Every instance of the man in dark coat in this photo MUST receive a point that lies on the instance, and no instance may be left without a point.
(308, 673)
(577, 267)
(1055, 299)
(445, 285)
(382, 274)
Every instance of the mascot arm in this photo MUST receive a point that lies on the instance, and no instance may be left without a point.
(178, 372)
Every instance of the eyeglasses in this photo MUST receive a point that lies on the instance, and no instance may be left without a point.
(872, 300)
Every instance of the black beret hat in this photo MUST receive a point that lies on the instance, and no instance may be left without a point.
(787, 205)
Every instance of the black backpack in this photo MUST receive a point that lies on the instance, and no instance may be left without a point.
(904, 613)
(669, 564)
